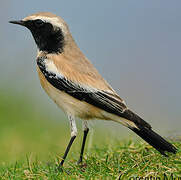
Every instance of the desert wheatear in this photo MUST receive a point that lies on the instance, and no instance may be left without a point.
(75, 85)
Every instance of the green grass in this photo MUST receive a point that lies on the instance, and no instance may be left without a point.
(128, 159)
(33, 140)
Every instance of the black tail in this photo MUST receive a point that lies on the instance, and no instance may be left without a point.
(155, 140)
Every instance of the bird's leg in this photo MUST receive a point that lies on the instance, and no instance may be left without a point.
(86, 130)
(73, 136)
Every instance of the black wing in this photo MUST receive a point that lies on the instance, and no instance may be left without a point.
(102, 99)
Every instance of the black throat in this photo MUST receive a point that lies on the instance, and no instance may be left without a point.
(47, 37)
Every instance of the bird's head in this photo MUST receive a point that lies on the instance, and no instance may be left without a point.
(49, 31)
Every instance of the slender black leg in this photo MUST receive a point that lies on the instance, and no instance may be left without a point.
(66, 152)
(83, 145)
(73, 136)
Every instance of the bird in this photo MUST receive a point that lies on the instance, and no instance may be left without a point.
(75, 85)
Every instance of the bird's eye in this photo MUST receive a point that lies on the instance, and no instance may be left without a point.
(38, 23)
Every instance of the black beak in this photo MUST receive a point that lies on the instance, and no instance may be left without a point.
(22, 23)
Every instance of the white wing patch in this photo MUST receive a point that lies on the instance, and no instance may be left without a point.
(51, 67)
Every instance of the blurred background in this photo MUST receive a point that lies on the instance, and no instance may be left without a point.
(135, 45)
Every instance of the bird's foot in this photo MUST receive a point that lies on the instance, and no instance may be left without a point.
(82, 165)
(79, 162)
(61, 169)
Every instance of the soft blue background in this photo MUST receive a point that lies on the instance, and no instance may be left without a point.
(135, 45)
